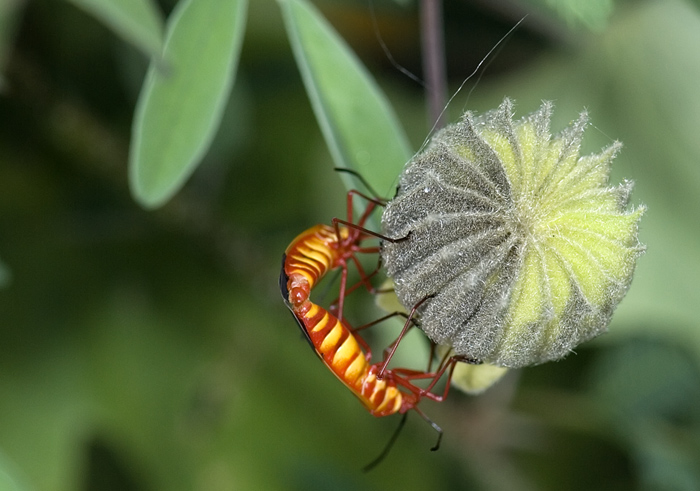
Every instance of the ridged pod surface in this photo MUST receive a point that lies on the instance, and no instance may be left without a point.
(524, 248)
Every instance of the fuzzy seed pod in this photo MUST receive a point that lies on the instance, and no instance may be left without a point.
(522, 248)
(469, 378)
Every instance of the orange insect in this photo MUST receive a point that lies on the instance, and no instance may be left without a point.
(323, 248)
(308, 258)
(337, 344)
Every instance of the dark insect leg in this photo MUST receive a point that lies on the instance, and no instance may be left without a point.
(450, 363)
(360, 178)
(335, 307)
(404, 377)
(355, 226)
(341, 297)
(364, 277)
(372, 203)
(363, 282)
(419, 393)
(381, 319)
(434, 425)
(388, 446)
(395, 344)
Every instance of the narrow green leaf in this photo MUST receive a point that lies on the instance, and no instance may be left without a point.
(139, 22)
(359, 125)
(179, 109)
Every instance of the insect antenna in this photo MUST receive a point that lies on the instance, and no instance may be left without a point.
(360, 178)
(388, 446)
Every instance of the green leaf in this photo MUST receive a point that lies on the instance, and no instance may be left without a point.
(180, 108)
(139, 22)
(359, 125)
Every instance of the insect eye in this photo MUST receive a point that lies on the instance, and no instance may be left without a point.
(299, 289)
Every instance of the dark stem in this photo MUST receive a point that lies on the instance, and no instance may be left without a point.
(433, 48)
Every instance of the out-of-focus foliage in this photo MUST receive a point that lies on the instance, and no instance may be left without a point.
(150, 350)
(591, 14)
(5, 275)
(9, 17)
(139, 22)
(9, 480)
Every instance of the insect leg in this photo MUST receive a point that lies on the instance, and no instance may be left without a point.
(360, 178)
(350, 224)
(388, 446)
(407, 325)
(433, 424)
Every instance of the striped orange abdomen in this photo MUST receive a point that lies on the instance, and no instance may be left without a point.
(341, 353)
(314, 252)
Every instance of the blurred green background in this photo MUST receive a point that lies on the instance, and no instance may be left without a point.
(149, 350)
